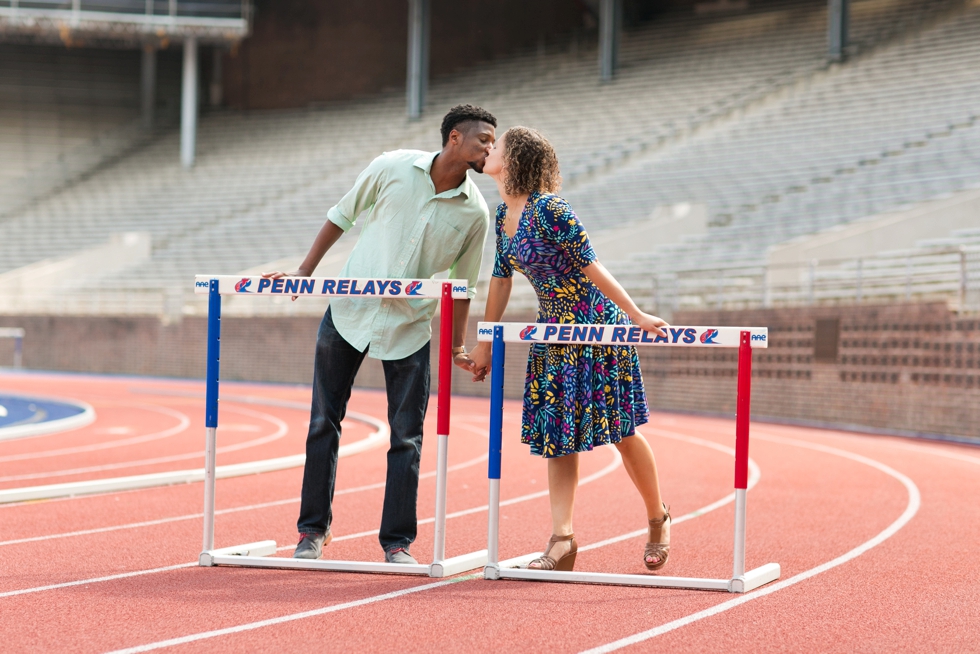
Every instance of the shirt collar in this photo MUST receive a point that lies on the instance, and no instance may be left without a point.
(425, 163)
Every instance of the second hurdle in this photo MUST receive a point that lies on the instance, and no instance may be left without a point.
(743, 338)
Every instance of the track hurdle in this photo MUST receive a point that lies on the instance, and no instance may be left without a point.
(257, 555)
(16, 333)
(744, 338)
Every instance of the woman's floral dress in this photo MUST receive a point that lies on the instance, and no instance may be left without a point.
(576, 396)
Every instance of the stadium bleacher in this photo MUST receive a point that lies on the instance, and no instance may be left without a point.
(739, 113)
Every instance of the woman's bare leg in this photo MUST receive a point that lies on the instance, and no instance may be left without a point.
(562, 483)
(641, 466)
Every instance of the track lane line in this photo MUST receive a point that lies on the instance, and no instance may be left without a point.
(370, 600)
(608, 469)
(237, 509)
(282, 430)
(183, 423)
(914, 502)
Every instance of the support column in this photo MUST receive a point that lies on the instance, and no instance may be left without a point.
(418, 56)
(217, 77)
(610, 26)
(838, 19)
(148, 85)
(188, 104)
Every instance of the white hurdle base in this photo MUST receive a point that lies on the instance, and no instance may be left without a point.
(755, 578)
(257, 555)
(751, 580)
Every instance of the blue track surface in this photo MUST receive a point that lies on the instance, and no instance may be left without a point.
(18, 410)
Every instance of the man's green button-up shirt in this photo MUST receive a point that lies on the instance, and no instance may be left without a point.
(409, 231)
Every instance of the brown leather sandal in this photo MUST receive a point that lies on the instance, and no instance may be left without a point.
(566, 563)
(659, 542)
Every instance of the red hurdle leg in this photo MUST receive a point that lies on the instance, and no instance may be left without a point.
(742, 411)
(442, 425)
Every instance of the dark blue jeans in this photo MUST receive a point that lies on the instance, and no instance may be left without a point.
(407, 384)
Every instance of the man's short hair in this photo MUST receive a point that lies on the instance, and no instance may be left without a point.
(464, 113)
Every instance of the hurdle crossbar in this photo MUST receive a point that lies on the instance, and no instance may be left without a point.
(258, 554)
(743, 338)
(16, 333)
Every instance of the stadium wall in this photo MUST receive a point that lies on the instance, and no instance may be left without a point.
(302, 52)
(911, 368)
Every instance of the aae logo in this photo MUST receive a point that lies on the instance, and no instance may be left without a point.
(201, 284)
(413, 288)
(242, 286)
(486, 331)
(709, 336)
(527, 334)
(759, 337)
(459, 289)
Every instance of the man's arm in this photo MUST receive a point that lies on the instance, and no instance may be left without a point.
(327, 236)
(340, 218)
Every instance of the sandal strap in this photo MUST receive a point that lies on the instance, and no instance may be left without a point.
(544, 563)
(657, 523)
(560, 539)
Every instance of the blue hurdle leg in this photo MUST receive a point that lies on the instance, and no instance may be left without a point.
(211, 410)
(496, 440)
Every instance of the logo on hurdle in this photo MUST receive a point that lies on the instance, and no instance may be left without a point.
(413, 288)
(759, 337)
(709, 336)
(242, 286)
(201, 284)
(527, 334)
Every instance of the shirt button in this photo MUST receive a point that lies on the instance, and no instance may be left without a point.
(413, 240)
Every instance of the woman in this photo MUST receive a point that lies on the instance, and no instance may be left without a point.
(576, 397)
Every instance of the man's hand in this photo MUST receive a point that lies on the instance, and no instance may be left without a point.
(277, 274)
(480, 360)
(464, 361)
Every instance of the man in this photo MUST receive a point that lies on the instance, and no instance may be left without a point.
(422, 215)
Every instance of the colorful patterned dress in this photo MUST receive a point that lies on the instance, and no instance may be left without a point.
(575, 397)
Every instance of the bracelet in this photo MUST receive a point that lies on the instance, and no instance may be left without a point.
(459, 350)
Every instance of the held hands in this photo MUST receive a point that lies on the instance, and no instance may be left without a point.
(277, 274)
(649, 323)
(476, 362)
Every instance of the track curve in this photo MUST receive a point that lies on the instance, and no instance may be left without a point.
(852, 520)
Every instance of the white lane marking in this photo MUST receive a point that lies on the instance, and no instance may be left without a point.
(182, 419)
(237, 509)
(931, 447)
(290, 618)
(617, 458)
(94, 580)
(281, 430)
(910, 510)
(755, 473)
(609, 468)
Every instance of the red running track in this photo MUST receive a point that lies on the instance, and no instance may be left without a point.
(875, 536)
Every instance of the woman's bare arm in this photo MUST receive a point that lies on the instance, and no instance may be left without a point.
(613, 290)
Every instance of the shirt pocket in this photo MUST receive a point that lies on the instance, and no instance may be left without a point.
(443, 238)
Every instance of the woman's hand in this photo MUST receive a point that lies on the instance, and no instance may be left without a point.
(649, 323)
(480, 357)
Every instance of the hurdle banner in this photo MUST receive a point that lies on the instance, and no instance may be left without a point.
(330, 286)
(257, 554)
(743, 338)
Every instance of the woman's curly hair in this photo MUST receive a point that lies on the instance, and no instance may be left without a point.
(531, 162)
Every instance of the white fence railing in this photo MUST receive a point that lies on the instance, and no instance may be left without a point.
(943, 274)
